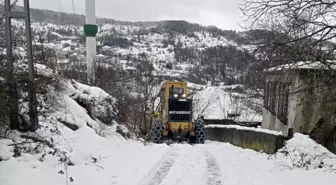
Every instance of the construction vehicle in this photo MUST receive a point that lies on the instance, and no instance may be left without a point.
(172, 116)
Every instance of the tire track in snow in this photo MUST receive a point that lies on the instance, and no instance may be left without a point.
(214, 172)
(188, 169)
(161, 169)
(185, 165)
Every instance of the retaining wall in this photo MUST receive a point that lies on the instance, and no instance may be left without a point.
(245, 137)
(230, 122)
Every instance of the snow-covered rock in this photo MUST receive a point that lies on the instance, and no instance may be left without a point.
(6, 150)
(95, 100)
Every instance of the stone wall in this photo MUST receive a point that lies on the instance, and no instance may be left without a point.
(255, 139)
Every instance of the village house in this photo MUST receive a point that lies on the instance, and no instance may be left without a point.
(300, 98)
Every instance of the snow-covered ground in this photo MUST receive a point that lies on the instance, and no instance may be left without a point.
(117, 161)
(75, 147)
(96, 161)
(96, 154)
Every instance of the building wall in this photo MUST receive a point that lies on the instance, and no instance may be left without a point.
(270, 120)
(295, 108)
(311, 106)
(320, 108)
(301, 117)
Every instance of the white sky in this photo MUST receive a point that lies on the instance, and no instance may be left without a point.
(221, 13)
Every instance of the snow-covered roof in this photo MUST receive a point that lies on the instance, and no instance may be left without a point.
(130, 68)
(63, 61)
(330, 64)
(123, 61)
(106, 47)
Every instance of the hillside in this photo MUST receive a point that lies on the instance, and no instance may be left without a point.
(98, 133)
(175, 48)
(134, 57)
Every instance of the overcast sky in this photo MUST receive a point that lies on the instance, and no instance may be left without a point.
(222, 13)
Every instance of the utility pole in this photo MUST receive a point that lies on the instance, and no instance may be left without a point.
(73, 7)
(91, 30)
(11, 82)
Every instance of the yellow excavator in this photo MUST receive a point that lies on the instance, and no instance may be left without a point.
(172, 116)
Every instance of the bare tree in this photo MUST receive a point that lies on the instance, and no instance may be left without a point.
(146, 84)
(303, 29)
(43, 54)
(289, 31)
(204, 104)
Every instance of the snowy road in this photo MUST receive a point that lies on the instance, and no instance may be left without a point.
(185, 164)
(132, 163)
(223, 164)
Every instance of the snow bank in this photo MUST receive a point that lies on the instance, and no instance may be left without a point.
(43, 70)
(72, 113)
(246, 128)
(244, 166)
(303, 152)
(96, 101)
(73, 104)
(92, 92)
(73, 145)
(5, 149)
(80, 157)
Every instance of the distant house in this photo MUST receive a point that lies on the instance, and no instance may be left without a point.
(301, 97)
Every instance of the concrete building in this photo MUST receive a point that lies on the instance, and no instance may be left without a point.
(300, 98)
